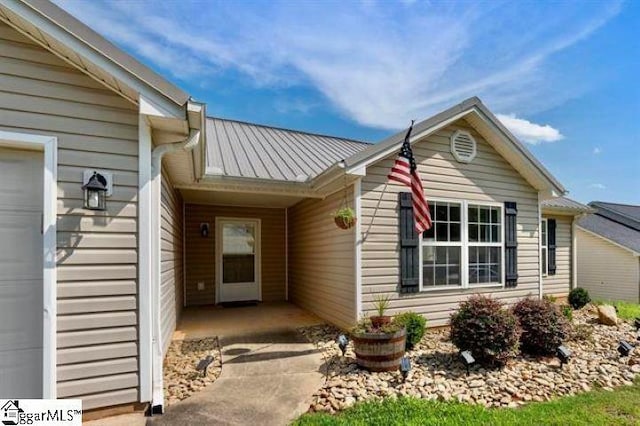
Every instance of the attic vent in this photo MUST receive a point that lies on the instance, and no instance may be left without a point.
(463, 146)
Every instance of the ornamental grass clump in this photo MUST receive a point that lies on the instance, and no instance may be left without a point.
(483, 326)
(544, 327)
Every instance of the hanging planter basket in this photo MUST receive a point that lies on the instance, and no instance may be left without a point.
(345, 218)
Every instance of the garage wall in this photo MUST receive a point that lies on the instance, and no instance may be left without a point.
(97, 251)
(559, 285)
(171, 267)
(321, 260)
(489, 177)
(607, 271)
(200, 252)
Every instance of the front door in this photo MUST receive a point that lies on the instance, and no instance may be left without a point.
(238, 260)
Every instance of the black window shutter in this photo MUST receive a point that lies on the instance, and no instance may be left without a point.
(511, 244)
(409, 246)
(551, 246)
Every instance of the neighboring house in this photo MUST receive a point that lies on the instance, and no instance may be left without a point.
(234, 212)
(609, 252)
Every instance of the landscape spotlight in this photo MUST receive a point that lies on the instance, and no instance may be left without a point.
(625, 348)
(563, 355)
(405, 367)
(343, 341)
(636, 322)
(203, 364)
(467, 359)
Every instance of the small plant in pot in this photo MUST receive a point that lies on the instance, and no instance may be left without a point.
(345, 218)
(381, 304)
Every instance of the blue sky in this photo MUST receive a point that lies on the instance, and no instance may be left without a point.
(562, 75)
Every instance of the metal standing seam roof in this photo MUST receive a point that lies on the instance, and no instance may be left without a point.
(565, 203)
(246, 150)
(619, 223)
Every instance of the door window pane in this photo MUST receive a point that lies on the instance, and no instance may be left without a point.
(238, 253)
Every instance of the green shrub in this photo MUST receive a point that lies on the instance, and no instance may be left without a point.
(550, 298)
(567, 311)
(578, 298)
(415, 325)
(544, 328)
(484, 327)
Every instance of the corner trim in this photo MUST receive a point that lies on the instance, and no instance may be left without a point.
(48, 144)
(357, 203)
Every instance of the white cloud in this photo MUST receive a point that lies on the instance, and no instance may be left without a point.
(530, 132)
(597, 150)
(378, 65)
(597, 186)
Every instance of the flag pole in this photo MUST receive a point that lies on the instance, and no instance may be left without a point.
(384, 189)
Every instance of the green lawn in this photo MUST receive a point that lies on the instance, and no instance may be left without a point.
(620, 407)
(626, 310)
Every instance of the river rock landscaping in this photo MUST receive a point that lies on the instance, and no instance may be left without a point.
(180, 376)
(437, 373)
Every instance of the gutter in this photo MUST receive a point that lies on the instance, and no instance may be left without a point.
(158, 152)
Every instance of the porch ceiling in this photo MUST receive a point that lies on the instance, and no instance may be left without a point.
(229, 198)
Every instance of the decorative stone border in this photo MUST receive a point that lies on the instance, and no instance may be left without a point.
(438, 375)
(181, 379)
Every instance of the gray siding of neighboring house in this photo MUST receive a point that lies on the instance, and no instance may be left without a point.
(606, 270)
(171, 266)
(487, 178)
(97, 251)
(201, 258)
(559, 285)
(321, 260)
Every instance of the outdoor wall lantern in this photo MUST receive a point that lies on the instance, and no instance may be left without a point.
(563, 354)
(95, 192)
(343, 341)
(405, 367)
(625, 348)
(204, 230)
(467, 359)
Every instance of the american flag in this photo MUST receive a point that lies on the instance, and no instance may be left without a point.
(405, 171)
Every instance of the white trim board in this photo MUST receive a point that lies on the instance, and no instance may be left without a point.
(48, 144)
(357, 203)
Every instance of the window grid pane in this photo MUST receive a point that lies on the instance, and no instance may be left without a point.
(441, 264)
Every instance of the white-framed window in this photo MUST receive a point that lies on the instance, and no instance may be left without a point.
(544, 247)
(464, 247)
(442, 246)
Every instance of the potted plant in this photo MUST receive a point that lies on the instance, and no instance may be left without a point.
(381, 304)
(345, 217)
(378, 348)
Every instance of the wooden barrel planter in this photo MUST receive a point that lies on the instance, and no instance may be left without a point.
(379, 351)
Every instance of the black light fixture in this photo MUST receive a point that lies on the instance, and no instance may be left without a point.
(636, 323)
(467, 359)
(204, 364)
(95, 192)
(343, 341)
(563, 354)
(625, 348)
(204, 230)
(405, 367)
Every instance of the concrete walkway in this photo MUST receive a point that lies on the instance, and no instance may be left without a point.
(266, 379)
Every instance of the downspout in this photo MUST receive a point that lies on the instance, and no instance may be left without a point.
(574, 250)
(158, 152)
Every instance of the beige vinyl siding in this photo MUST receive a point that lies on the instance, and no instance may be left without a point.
(171, 254)
(97, 251)
(200, 252)
(606, 270)
(321, 260)
(559, 285)
(486, 178)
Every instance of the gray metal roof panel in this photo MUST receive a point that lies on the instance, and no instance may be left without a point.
(240, 149)
(565, 203)
(611, 230)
